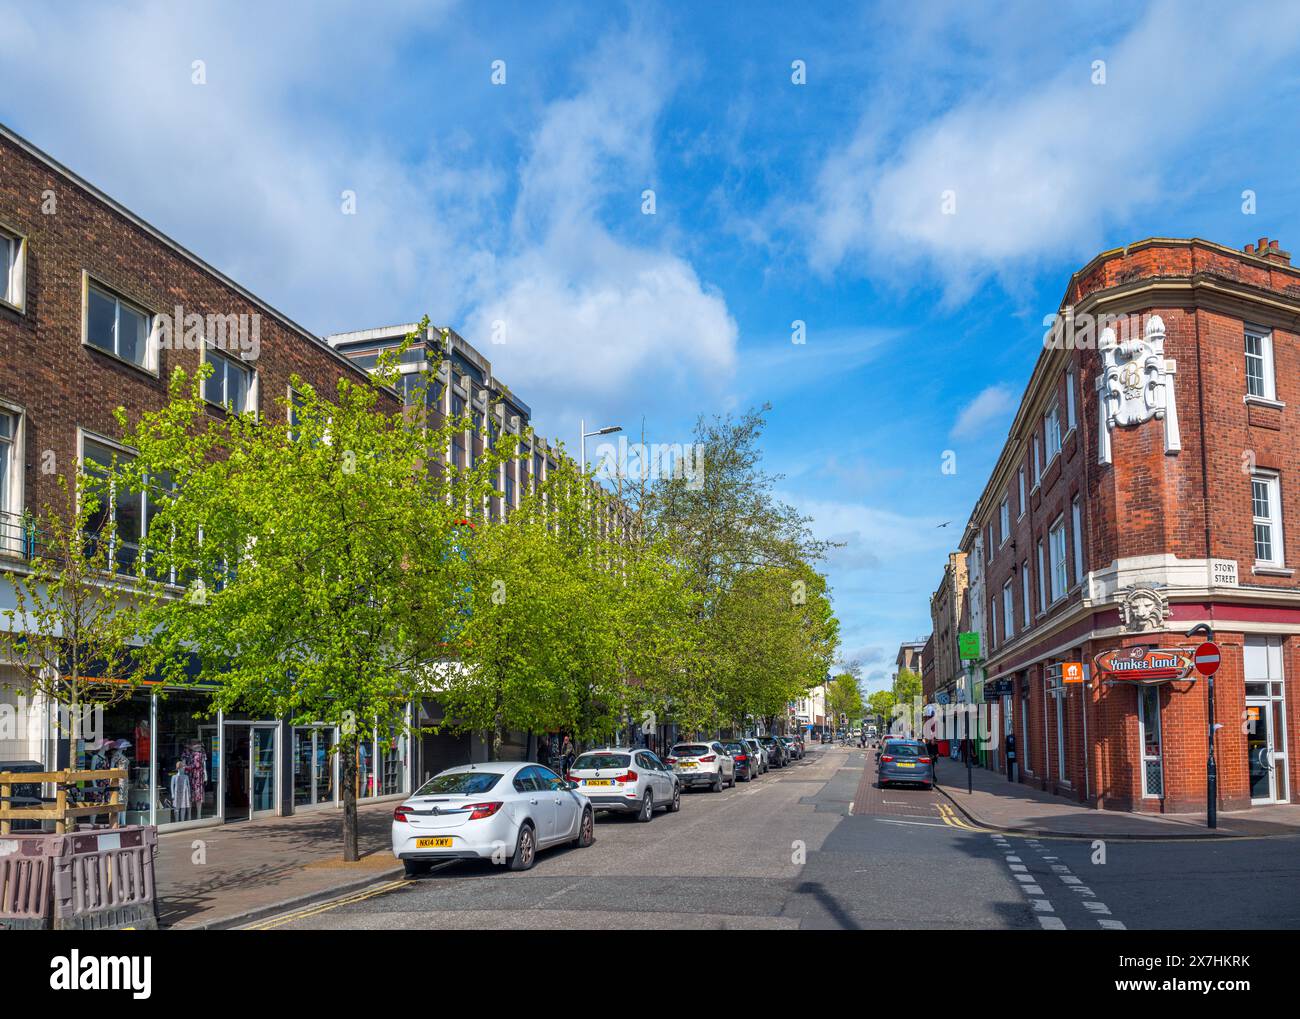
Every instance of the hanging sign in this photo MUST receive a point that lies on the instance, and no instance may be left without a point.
(1145, 664)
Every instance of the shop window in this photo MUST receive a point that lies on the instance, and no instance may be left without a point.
(187, 757)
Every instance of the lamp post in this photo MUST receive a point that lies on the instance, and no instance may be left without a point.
(582, 443)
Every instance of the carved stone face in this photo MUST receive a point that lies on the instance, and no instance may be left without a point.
(1144, 610)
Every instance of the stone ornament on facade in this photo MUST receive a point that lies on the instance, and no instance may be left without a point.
(1136, 384)
(1144, 608)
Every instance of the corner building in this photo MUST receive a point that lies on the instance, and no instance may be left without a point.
(1150, 482)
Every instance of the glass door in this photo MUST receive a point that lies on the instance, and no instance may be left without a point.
(237, 754)
(262, 771)
(1259, 751)
(1153, 774)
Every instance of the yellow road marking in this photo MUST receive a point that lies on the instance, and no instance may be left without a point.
(303, 914)
(951, 819)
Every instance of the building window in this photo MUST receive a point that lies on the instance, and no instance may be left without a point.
(510, 486)
(1021, 505)
(1076, 525)
(1008, 611)
(1266, 512)
(1056, 550)
(11, 479)
(1024, 592)
(1070, 418)
(230, 385)
(1038, 462)
(1004, 520)
(457, 405)
(1052, 431)
(990, 549)
(117, 327)
(1024, 726)
(993, 622)
(1259, 364)
(13, 256)
(1042, 579)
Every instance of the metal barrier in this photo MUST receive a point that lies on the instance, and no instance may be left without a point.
(105, 880)
(26, 871)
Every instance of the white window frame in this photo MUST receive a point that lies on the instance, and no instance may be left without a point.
(1057, 563)
(1076, 525)
(1267, 379)
(993, 621)
(12, 494)
(1042, 579)
(13, 285)
(1273, 481)
(150, 362)
(220, 359)
(1024, 590)
(1004, 519)
(1071, 412)
(1021, 506)
(1038, 462)
(1052, 432)
(1008, 610)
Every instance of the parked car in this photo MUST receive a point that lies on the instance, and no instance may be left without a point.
(747, 761)
(703, 763)
(626, 780)
(905, 761)
(502, 811)
(776, 751)
(764, 762)
(792, 746)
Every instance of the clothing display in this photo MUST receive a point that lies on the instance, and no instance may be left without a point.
(181, 791)
(196, 770)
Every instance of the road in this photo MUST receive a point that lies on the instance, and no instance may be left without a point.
(816, 845)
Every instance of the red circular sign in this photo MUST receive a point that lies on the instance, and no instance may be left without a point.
(1206, 658)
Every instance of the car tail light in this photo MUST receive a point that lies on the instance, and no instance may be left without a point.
(710, 759)
(672, 760)
(886, 757)
(741, 757)
(477, 811)
(402, 813)
(924, 760)
(631, 776)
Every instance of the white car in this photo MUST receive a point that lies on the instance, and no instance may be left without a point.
(503, 811)
(757, 748)
(627, 780)
(704, 763)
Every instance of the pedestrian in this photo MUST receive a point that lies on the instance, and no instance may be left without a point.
(566, 753)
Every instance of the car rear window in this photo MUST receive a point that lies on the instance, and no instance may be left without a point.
(470, 783)
(903, 749)
(734, 748)
(592, 762)
(690, 750)
(766, 740)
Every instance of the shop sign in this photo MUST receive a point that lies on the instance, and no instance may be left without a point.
(968, 645)
(1072, 672)
(997, 688)
(1142, 664)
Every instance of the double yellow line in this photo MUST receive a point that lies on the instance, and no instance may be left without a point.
(302, 914)
(951, 818)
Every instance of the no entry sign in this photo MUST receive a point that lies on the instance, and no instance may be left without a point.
(1206, 658)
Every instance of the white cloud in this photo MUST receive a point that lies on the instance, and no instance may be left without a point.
(1042, 168)
(990, 405)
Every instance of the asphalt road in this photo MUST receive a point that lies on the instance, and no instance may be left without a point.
(815, 845)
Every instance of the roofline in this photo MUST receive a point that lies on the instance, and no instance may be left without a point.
(76, 179)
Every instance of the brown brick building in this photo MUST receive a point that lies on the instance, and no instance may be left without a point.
(1151, 482)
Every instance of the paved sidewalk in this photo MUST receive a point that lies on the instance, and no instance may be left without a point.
(1013, 806)
(236, 873)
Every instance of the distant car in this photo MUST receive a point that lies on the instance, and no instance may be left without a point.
(776, 751)
(764, 762)
(792, 746)
(626, 780)
(503, 811)
(747, 762)
(703, 763)
(905, 761)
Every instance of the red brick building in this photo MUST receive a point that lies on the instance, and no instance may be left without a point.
(1151, 482)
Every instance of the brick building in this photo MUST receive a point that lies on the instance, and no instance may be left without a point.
(947, 605)
(1151, 482)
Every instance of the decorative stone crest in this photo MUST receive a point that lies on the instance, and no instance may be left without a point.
(1136, 384)
(1144, 608)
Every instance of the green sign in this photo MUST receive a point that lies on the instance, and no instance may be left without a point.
(968, 645)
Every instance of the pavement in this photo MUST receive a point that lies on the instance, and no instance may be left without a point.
(211, 878)
(1017, 807)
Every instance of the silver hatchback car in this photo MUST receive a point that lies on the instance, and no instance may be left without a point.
(626, 780)
(905, 761)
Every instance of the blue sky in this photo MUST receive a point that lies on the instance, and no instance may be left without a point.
(775, 202)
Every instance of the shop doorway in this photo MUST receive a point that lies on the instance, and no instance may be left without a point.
(1265, 756)
(249, 771)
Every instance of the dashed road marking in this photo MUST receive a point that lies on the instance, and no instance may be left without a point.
(1051, 923)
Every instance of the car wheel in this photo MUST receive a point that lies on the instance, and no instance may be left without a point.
(676, 804)
(414, 868)
(647, 810)
(586, 830)
(525, 849)
(733, 780)
(717, 784)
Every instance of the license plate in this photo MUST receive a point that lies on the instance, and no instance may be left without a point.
(686, 764)
(597, 781)
(440, 843)
(906, 765)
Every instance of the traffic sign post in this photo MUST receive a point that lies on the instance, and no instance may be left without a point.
(1207, 659)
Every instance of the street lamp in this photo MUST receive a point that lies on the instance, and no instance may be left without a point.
(582, 443)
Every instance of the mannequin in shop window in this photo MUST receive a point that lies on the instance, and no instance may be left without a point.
(181, 792)
(195, 763)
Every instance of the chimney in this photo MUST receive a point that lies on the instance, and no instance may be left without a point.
(1270, 250)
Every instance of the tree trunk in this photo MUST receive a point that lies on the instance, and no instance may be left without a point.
(348, 748)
